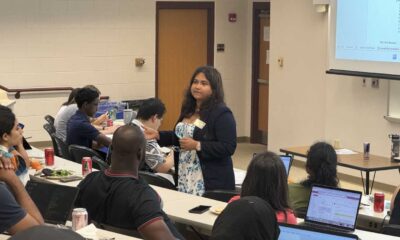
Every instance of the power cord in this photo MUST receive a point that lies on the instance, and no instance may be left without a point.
(384, 219)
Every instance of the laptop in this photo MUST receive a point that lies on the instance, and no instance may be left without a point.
(287, 161)
(301, 232)
(54, 201)
(333, 208)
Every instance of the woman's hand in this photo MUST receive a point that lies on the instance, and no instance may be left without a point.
(188, 143)
(150, 133)
(5, 163)
(100, 119)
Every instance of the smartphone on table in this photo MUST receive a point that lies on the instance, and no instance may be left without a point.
(199, 209)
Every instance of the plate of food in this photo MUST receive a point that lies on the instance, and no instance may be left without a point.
(56, 174)
(217, 209)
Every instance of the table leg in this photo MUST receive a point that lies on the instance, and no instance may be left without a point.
(367, 182)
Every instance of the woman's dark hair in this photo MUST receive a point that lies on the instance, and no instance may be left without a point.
(266, 178)
(7, 120)
(321, 165)
(151, 107)
(217, 95)
(71, 97)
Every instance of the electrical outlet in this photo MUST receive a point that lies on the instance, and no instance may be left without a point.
(375, 82)
(364, 82)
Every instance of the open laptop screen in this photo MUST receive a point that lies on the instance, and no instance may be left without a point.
(287, 161)
(290, 232)
(333, 206)
(54, 201)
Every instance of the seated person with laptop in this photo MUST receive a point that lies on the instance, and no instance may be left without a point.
(150, 115)
(321, 166)
(17, 210)
(79, 129)
(119, 198)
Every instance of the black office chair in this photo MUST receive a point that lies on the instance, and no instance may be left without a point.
(391, 229)
(77, 152)
(49, 119)
(51, 131)
(220, 195)
(156, 180)
(62, 147)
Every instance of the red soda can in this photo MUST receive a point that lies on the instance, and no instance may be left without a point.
(86, 166)
(379, 202)
(79, 218)
(109, 122)
(49, 156)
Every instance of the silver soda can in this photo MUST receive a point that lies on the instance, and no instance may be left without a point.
(366, 150)
(79, 218)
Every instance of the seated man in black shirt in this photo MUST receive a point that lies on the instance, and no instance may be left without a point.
(395, 207)
(117, 197)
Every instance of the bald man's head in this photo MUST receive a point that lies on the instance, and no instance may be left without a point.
(128, 144)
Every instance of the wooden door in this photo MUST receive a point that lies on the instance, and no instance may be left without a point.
(260, 81)
(183, 44)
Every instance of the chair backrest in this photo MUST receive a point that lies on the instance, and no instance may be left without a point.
(220, 195)
(100, 163)
(77, 152)
(156, 180)
(62, 148)
(391, 229)
(51, 131)
(49, 119)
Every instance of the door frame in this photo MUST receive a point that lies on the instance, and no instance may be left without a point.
(209, 6)
(255, 136)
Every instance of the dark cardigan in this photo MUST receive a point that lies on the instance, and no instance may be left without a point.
(218, 143)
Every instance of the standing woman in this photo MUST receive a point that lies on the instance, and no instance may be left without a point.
(206, 135)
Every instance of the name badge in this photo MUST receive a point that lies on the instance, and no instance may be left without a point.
(200, 124)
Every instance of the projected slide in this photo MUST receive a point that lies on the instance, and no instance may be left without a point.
(368, 30)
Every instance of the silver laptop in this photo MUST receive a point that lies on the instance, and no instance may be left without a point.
(333, 208)
(290, 232)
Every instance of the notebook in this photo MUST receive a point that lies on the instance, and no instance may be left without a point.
(333, 208)
(55, 202)
(287, 161)
(301, 232)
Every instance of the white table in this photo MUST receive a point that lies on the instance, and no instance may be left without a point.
(176, 205)
(100, 234)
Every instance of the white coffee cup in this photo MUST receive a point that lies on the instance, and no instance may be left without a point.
(128, 115)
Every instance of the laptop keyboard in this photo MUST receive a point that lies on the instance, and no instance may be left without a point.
(328, 227)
